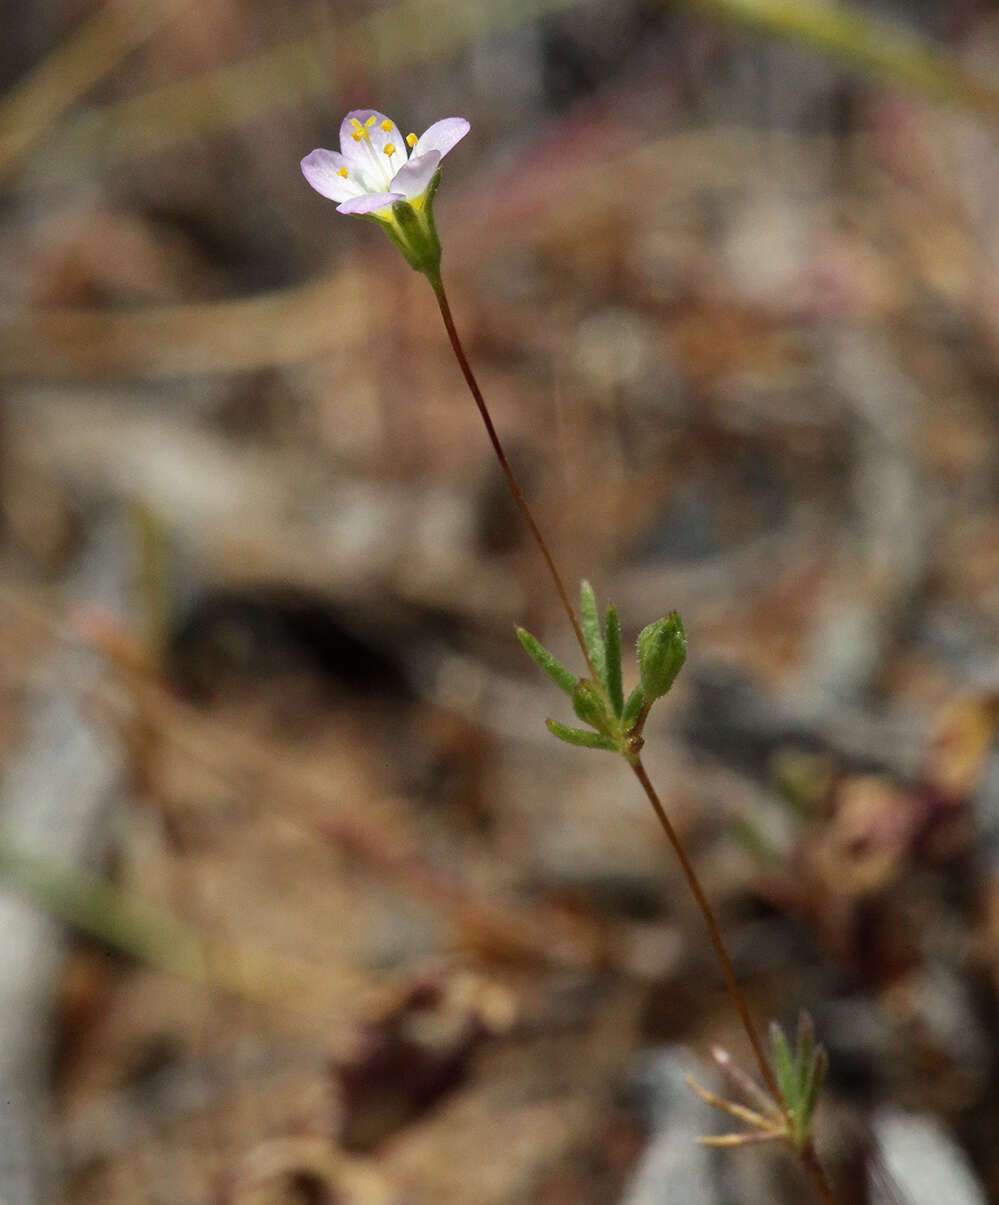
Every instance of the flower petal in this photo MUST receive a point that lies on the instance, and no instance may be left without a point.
(364, 154)
(441, 136)
(369, 202)
(413, 177)
(381, 138)
(348, 127)
(322, 170)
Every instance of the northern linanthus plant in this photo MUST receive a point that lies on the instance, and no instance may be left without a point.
(380, 175)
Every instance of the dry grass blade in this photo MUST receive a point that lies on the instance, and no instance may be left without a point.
(69, 71)
(288, 75)
(741, 1112)
(882, 49)
(283, 327)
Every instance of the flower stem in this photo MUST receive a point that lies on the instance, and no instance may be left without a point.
(809, 1157)
(518, 494)
(813, 1165)
(694, 883)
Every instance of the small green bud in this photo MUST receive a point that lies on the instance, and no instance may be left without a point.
(662, 650)
(588, 704)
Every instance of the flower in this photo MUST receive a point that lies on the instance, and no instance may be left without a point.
(376, 167)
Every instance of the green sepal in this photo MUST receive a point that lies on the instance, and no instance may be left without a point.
(591, 632)
(577, 736)
(612, 649)
(588, 704)
(412, 229)
(662, 650)
(634, 705)
(564, 678)
(418, 239)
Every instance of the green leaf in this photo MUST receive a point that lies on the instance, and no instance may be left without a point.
(662, 650)
(577, 736)
(816, 1078)
(613, 659)
(636, 701)
(592, 633)
(784, 1065)
(803, 1053)
(588, 704)
(561, 676)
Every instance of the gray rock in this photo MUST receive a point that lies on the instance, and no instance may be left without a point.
(673, 1166)
(920, 1164)
(55, 794)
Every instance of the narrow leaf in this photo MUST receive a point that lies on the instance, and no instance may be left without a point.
(805, 1049)
(636, 701)
(784, 1065)
(588, 704)
(578, 736)
(816, 1078)
(613, 660)
(561, 676)
(591, 632)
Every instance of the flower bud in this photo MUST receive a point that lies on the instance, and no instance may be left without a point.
(662, 650)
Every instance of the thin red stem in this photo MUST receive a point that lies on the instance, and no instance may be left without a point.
(508, 473)
(694, 883)
(809, 1157)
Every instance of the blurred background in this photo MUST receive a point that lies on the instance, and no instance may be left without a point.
(301, 903)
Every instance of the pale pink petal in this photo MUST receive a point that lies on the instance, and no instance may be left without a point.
(412, 179)
(369, 202)
(348, 128)
(322, 170)
(441, 136)
(382, 138)
(362, 159)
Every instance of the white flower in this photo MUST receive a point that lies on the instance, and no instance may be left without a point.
(376, 166)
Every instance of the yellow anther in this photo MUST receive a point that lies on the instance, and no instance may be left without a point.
(389, 149)
(357, 135)
(342, 171)
(386, 125)
(370, 122)
(411, 140)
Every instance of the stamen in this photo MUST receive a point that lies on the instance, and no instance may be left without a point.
(411, 140)
(386, 125)
(342, 171)
(389, 149)
(357, 135)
